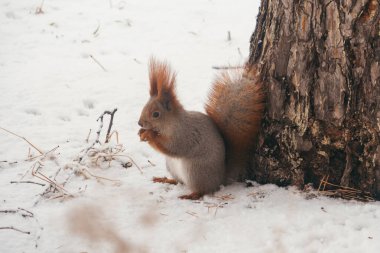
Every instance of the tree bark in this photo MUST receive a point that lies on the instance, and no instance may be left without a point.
(320, 61)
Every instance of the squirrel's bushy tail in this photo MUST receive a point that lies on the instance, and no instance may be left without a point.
(236, 105)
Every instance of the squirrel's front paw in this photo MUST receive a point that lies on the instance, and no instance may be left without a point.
(146, 134)
(142, 133)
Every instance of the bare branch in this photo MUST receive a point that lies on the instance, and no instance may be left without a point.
(99, 131)
(110, 125)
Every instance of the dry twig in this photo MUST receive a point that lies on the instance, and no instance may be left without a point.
(85, 172)
(227, 67)
(31, 144)
(88, 136)
(96, 61)
(23, 212)
(225, 197)
(98, 132)
(38, 174)
(110, 124)
(95, 33)
(16, 229)
(192, 214)
(216, 206)
(26, 182)
(151, 163)
(333, 190)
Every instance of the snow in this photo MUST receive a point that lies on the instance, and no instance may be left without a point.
(52, 92)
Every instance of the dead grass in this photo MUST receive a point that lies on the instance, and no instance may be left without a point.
(333, 190)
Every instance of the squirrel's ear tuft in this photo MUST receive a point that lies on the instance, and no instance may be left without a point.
(162, 83)
(153, 65)
(162, 79)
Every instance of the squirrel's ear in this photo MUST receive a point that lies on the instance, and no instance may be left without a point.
(153, 67)
(162, 83)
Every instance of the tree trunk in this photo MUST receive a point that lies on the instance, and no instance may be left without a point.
(321, 64)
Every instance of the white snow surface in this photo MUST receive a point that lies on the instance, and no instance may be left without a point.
(52, 92)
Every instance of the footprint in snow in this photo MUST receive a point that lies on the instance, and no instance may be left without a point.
(33, 112)
(89, 104)
(10, 15)
(64, 118)
(82, 112)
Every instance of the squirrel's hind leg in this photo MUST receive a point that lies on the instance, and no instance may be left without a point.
(191, 196)
(164, 180)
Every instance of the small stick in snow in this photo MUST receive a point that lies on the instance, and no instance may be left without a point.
(320, 183)
(51, 150)
(26, 182)
(29, 154)
(88, 136)
(96, 61)
(228, 36)
(327, 179)
(98, 177)
(116, 133)
(98, 132)
(110, 124)
(23, 212)
(32, 158)
(29, 213)
(95, 33)
(192, 214)
(36, 173)
(10, 132)
(16, 229)
(239, 51)
(216, 206)
(334, 190)
(95, 141)
(225, 197)
(227, 67)
(43, 156)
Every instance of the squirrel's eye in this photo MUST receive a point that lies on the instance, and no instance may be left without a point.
(156, 114)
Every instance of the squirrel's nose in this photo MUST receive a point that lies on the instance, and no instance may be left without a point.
(140, 123)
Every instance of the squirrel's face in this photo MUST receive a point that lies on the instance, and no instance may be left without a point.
(162, 109)
(153, 115)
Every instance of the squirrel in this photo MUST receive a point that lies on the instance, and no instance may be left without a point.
(203, 151)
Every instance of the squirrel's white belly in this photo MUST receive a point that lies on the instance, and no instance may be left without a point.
(177, 169)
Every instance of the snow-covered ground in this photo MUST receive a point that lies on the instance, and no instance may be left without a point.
(53, 88)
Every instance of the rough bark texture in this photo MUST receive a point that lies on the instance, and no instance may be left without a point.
(321, 63)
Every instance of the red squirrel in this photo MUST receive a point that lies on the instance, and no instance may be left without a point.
(203, 151)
